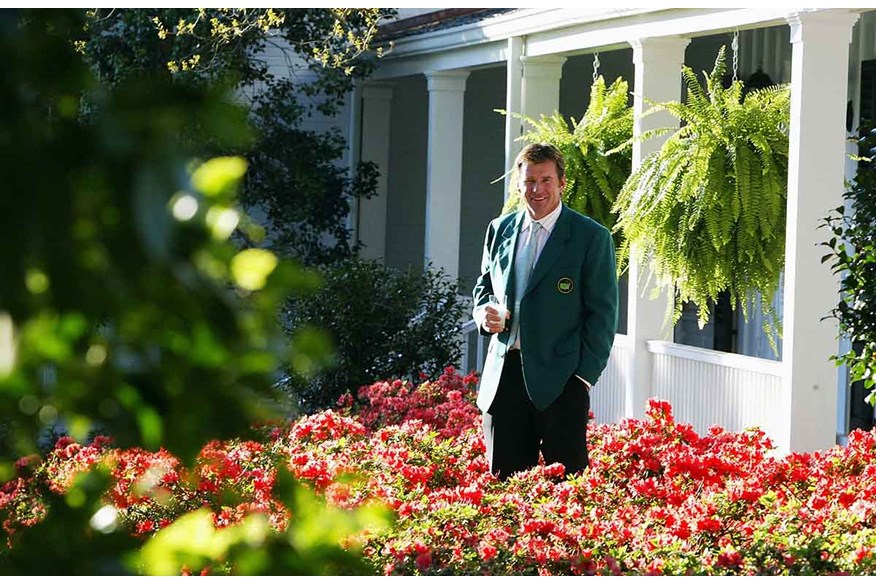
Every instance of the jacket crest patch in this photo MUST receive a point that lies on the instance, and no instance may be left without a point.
(565, 285)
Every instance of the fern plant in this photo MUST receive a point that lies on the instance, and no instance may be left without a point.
(707, 211)
(594, 177)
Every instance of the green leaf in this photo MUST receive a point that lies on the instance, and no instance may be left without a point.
(219, 177)
(193, 541)
(151, 427)
(251, 268)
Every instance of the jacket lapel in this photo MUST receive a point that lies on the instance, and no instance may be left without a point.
(553, 249)
(507, 253)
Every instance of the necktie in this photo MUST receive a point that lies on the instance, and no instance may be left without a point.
(522, 271)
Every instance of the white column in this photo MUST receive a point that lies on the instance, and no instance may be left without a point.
(541, 85)
(816, 160)
(376, 111)
(533, 90)
(658, 63)
(858, 52)
(513, 105)
(444, 169)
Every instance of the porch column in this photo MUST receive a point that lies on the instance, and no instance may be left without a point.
(513, 105)
(816, 161)
(540, 85)
(376, 110)
(533, 90)
(444, 169)
(658, 63)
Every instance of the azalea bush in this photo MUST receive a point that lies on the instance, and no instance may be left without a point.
(657, 498)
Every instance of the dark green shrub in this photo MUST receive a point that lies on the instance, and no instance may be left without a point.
(853, 252)
(384, 324)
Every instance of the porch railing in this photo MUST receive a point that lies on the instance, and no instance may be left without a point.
(709, 388)
(607, 398)
(705, 387)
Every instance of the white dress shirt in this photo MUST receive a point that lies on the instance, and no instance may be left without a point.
(547, 226)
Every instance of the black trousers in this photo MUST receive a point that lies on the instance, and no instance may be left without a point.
(515, 431)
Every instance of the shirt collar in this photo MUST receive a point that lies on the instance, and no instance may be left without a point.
(547, 222)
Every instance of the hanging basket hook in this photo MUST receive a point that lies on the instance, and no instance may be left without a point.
(735, 47)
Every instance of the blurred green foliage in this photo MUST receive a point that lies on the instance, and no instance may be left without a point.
(319, 541)
(120, 310)
(125, 308)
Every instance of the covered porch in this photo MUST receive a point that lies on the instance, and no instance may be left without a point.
(427, 119)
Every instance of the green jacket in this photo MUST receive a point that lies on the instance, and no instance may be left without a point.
(568, 313)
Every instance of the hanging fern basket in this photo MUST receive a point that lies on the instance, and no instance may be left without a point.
(593, 176)
(707, 211)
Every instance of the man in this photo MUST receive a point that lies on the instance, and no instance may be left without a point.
(559, 327)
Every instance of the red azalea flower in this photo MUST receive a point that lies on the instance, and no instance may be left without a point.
(708, 524)
(424, 561)
(487, 552)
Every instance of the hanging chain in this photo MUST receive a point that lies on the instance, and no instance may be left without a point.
(735, 47)
(595, 66)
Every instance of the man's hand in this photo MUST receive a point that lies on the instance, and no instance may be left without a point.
(493, 321)
(584, 382)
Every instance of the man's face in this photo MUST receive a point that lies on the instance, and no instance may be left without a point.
(541, 187)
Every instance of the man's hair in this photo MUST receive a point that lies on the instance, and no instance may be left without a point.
(542, 152)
